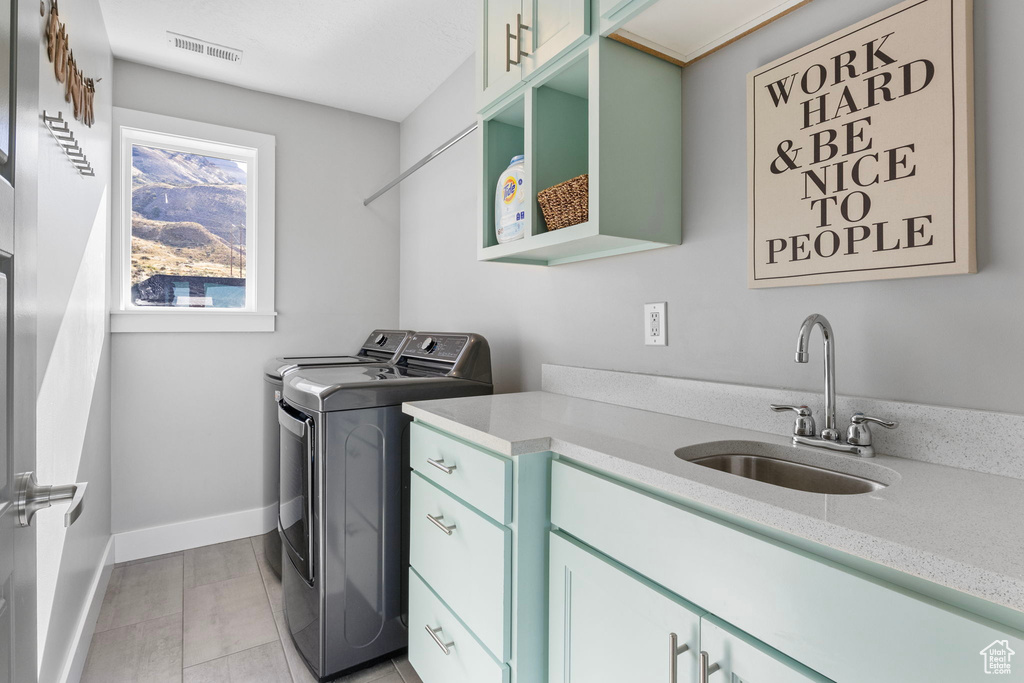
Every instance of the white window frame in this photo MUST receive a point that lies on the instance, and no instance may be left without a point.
(257, 150)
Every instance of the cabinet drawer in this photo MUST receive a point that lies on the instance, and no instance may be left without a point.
(835, 620)
(482, 479)
(466, 662)
(470, 568)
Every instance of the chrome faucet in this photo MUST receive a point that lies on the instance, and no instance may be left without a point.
(829, 433)
(858, 436)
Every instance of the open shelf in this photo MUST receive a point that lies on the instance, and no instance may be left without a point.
(607, 111)
(566, 245)
(561, 131)
(504, 137)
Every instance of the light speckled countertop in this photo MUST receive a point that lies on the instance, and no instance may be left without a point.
(953, 527)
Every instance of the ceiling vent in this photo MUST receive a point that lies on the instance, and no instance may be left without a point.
(202, 47)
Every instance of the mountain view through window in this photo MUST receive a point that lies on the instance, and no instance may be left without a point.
(188, 230)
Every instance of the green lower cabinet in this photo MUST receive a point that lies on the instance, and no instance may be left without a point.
(742, 659)
(607, 625)
(478, 545)
(465, 558)
(572, 576)
(441, 648)
(840, 622)
(610, 625)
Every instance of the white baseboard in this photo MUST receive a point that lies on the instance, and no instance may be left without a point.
(170, 538)
(75, 663)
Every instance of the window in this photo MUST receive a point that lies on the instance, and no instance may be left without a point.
(194, 226)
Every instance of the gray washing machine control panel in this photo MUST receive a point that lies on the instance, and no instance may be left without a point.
(386, 341)
(466, 356)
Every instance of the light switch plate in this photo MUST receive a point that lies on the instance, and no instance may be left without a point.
(655, 324)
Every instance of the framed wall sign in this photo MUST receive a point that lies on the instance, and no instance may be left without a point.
(861, 152)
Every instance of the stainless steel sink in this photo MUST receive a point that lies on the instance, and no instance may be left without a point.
(762, 462)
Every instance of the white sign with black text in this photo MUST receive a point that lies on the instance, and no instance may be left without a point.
(861, 152)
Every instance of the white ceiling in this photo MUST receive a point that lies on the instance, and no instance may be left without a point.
(377, 57)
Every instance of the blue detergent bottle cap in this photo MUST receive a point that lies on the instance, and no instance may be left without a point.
(516, 159)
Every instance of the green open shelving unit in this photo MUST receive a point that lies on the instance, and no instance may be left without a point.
(606, 110)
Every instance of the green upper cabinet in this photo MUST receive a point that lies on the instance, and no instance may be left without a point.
(607, 625)
(604, 110)
(553, 28)
(520, 37)
(735, 656)
(615, 10)
(497, 72)
(682, 31)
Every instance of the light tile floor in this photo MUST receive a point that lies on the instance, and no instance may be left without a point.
(208, 615)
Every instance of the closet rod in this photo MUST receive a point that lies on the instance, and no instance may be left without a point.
(419, 164)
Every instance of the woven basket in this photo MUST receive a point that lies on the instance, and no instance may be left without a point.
(565, 204)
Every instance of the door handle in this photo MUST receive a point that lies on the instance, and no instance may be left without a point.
(676, 650)
(706, 669)
(32, 498)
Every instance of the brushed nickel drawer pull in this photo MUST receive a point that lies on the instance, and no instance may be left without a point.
(677, 650)
(439, 464)
(445, 647)
(706, 670)
(436, 521)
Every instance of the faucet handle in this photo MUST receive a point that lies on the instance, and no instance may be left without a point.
(804, 425)
(802, 411)
(861, 418)
(859, 433)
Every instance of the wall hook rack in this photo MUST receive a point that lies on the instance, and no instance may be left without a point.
(61, 132)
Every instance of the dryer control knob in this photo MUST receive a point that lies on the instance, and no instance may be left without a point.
(428, 344)
(381, 340)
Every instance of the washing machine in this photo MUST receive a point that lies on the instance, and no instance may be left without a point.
(382, 346)
(345, 491)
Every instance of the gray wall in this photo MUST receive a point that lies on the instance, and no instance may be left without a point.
(187, 407)
(73, 343)
(943, 340)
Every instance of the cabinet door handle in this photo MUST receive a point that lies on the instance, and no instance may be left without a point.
(508, 48)
(705, 669)
(445, 647)
(518, 37)
(436, 521)
(520, 27)
(439, 464)
(676, 650)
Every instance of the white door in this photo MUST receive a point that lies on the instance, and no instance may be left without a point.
(19, 124)
(9, 532)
